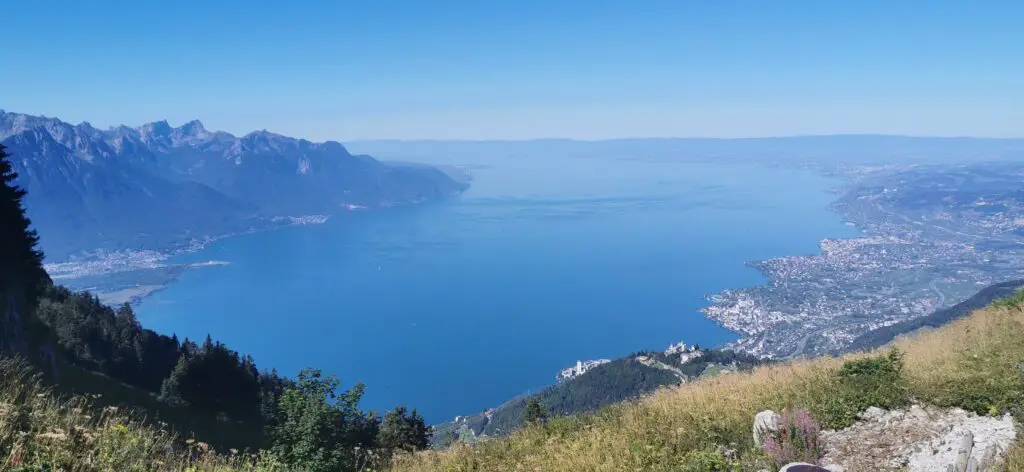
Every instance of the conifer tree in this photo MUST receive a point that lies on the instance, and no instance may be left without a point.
(401, 430)
(534, 412)
(21, 262)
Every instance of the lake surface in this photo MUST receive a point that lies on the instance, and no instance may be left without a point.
(455, 306)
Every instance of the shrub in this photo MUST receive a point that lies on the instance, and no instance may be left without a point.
(861, 383)
(797, 440)
(1015, 301)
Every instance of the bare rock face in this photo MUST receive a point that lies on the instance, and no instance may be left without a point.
(765, 423)
(920, 439)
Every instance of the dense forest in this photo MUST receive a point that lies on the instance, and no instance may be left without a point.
(86, 347)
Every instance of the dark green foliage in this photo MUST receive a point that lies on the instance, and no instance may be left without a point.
(211, 380)
(1001, 294)
(873, 381)
(198, 389)
(215, 381)
(1014, 300)
(319, 428)
(616, 381)
(21, 270)
(534, 413)
(696, 367)
(403, 431)
(97, 337)
(20, 260)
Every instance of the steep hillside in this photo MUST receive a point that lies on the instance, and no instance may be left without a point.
(108, 362)
(973, 363)
(616, 381)
(155, 185)
(985, 297)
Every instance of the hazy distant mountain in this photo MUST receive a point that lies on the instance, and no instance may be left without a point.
(157, 185)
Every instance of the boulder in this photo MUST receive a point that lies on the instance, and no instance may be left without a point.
(765, 423)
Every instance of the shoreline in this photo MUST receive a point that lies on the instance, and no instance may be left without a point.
(110, 264)
(722, 297)
(907, 260)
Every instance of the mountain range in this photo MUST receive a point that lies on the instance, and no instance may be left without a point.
(156, 186)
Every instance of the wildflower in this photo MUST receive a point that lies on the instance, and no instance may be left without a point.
(797, 440)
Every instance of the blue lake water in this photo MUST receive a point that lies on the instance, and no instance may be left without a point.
(455, 306)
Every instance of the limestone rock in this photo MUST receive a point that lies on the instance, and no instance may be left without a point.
(765, 423)
(920, 439)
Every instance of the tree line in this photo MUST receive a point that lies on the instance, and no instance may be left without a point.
(307, 422)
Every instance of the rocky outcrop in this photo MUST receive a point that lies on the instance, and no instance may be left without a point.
(765, 424)
(920, 439)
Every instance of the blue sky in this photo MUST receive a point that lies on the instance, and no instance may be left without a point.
(585, 69)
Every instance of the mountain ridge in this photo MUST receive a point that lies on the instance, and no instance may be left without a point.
(155, 186)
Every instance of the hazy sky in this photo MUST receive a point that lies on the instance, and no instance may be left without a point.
(513, 69)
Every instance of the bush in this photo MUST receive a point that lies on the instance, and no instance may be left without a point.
(1015, 301)
(862, 383)
(797, 440)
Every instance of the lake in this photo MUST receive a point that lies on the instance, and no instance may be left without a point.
(455, 306)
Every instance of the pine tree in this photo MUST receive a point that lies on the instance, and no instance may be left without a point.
(402, 431)
(21, 262)
(534, 412)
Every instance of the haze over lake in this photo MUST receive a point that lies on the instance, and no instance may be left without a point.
(455, 306)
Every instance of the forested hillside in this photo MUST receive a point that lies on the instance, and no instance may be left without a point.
(209, 393)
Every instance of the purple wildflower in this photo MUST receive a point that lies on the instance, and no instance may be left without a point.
(797, 440)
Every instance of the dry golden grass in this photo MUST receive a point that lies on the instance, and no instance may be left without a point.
(39, 432)
(972, 363)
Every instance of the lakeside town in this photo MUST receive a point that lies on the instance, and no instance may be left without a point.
(931, 237)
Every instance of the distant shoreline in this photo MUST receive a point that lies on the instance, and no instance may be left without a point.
(118, 263)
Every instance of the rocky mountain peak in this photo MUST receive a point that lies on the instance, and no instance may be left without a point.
(156, 129)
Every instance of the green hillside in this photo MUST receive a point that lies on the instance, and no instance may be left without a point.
(619, 380)
(973, 363)
(85, 387)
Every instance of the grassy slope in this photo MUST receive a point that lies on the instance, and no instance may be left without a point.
(614, 382)
(972, 363)
(41, 431)
(105, 391)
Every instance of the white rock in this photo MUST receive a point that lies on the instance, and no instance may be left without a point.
(921, 439)
(873, 413)
(765, 423)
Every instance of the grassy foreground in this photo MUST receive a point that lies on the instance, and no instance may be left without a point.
(974, 363)
(41, 432)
